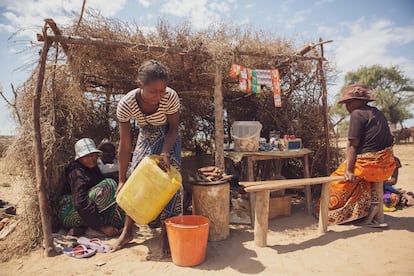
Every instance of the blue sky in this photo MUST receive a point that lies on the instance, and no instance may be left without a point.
(364, 32)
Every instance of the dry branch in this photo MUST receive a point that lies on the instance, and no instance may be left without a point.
(105, 42)
(44, 203)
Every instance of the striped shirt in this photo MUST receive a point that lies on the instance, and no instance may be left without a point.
(128, 108)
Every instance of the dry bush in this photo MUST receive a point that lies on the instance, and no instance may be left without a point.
(27, 232)
(65, 117)
(5, 142)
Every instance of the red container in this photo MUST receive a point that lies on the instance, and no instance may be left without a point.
(187, 237)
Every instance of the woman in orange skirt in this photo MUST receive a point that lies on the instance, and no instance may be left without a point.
(369, 158)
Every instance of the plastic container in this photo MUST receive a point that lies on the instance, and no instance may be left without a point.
(148, 190)
(187, 237)
(246, 135)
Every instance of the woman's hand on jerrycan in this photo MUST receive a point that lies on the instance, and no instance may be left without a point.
(164, 161)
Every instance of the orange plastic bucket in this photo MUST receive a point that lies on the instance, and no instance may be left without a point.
(187, 237)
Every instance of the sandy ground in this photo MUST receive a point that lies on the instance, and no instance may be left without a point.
(294, 248)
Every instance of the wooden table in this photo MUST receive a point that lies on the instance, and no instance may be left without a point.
(252, 156)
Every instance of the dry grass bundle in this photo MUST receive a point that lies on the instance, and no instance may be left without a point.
(5, 141)
(84, 84)
(64, 118)
(27, 234)
(64, 115)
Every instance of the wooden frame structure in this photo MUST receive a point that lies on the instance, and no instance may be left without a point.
(64, 41)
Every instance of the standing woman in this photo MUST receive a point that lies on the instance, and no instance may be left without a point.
(156, 108)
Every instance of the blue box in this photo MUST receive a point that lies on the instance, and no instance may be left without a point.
(294, 144)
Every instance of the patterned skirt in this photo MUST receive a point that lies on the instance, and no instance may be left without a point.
(150, 141)
(350, 201)
(103, 194)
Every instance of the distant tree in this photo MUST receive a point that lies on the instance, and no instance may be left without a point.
(393, 91)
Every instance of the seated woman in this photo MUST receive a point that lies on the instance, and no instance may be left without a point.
(369, 158)
(88, 197)
(391, 194)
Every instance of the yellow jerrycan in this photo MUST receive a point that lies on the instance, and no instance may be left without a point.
(148, 190)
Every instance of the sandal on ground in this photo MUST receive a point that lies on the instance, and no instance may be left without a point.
(80, 251)
(95, 244)
(61, 242)
(389, 209)
(375, 224)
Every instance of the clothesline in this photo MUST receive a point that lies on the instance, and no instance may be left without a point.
(254, 80)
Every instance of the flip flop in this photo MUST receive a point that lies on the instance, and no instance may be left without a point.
(65, 240)
(376, 225)
(95, 244)
(80, 251)
(61, 242)
(389, 209)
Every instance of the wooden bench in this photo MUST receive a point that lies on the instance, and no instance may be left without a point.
(261, 191)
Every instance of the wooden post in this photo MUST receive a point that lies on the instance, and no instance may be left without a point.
(324, 208)
(218, 119)
(379, 187)
(40, 173)
(252, 196)
(261, 212)
(308, 189)
(325, 110)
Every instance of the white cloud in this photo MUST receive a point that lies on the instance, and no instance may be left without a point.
(322, 2)
(23, 19)
(362, 43)
(182, 8)
(200, 13)
(144, 3)
(285, 6)
(29, 14)
(244, 21)
(373, 43)
(327, 31)
(297, 18)
(218, 7)
(8, 127)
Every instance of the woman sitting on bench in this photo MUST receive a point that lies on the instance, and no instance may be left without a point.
(369, 158)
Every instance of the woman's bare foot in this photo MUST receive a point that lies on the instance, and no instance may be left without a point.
(372, 212)
(109, 231)
(125, 237)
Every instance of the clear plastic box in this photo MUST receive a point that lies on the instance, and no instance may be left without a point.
(246, 135)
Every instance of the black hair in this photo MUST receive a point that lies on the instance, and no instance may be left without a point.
(152, 70)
